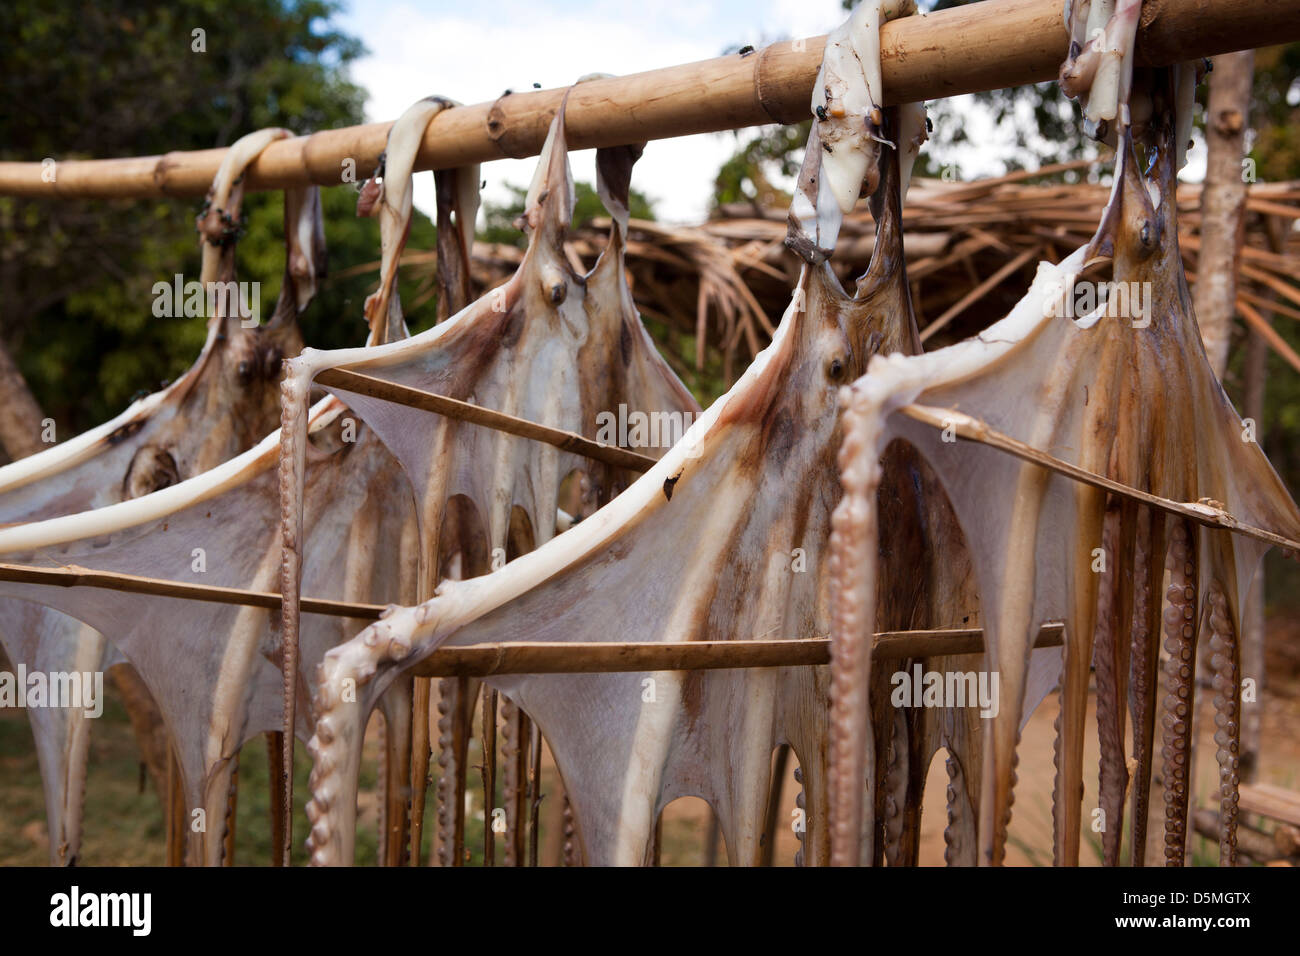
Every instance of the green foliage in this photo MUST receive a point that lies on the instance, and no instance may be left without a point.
(1275, 113)
(112, 79)
(499, 218)
(1044, 125)
(745, 176)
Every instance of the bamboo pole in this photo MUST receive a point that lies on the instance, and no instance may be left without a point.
(990, 45)
(977, 293)
(1260, 847)
(487, 417)
(539, 658)
(534, 792)
(770, 822)
(72, 576)
(1269, 334)
(485, 660)
(546, 658)
(973, 429)
(489, 772)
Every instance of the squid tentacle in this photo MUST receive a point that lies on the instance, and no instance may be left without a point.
(959, 846)
(514, 754)
(1180, 642)
(1144, 651)
(571, 855)
(854, 556)
(1058, 810)
(232, 804)
(419, 764)
(381, 827)
(895, 791)
(451, 778)
(1227, 718)
(489, 773)
(1113, 777)
(801, 803)
(335, 747)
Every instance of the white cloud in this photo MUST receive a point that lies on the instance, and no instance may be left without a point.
(473, 53)
(806, 18)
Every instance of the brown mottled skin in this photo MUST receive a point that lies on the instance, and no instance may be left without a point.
(551, 346)
(712, 560)
(224, 404)
(1129, 397)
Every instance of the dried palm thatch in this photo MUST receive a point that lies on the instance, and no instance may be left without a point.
(714, 289)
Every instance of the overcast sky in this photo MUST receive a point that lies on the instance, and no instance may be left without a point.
(474, 51)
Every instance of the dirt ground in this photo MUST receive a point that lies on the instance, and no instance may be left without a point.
(124, 823)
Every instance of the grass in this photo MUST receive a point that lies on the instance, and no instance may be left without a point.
(123, 821)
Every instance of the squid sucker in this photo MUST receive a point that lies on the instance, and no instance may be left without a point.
(1227, 710)
(1180, 619)
(1143, 654)
(1042, 423)
(218, 672)
(552, 347)
(1066, 502)
(751, 482)
(218, 408)
(1110, 655)
(453, 746)
(959, 848)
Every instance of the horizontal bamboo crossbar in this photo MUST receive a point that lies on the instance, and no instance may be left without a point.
(74, 576)
(544, 658)
(973, 429)
(982, 46)
(487, 417)
(614, 657)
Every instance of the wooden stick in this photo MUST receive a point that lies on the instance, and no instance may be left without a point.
(177, 819)
(534, 792)
(462, 721)
(279, 824)
(484, 660)
(978, 292)
(535, 658)
(489, 773)
(1268, 333)
(477, 415)
(770, 822)
(1270, 304)
(991, 45)
(977, 189)
(1260, 847)
(420, 757)
(972, 429)
(73, 576)
(1269, 800)
(1272, 281)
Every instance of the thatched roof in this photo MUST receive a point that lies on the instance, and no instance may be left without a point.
(971, 251)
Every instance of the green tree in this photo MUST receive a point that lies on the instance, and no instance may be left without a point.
(499, 217)
(113, 79)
